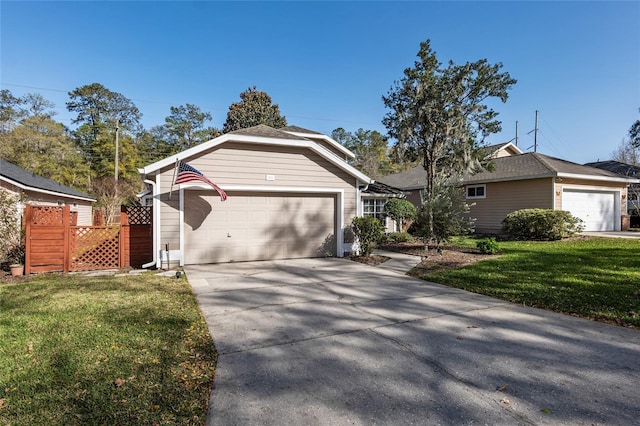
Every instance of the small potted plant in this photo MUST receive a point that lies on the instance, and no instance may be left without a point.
(15, 256)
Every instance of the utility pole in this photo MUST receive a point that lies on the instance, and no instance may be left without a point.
(117, 149)
(516, 132)
(535, 135)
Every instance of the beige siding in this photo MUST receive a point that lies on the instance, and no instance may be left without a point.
(241, 164)
(587, 185)
(503, 198)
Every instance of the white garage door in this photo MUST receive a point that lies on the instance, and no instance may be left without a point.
(596, 209)
(257, 226)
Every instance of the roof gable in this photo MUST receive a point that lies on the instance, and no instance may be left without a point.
(260, 134)
(26, 180)
(310, 134)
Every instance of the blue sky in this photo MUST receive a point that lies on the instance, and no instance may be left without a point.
(327, 64)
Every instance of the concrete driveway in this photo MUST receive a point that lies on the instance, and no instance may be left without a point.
(334, 342)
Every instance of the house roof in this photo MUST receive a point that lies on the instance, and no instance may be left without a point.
(413, 178)
(623, 169)
(379, 188)
(266, 135)
(310, 134)
(492, 150)
(26, 180)
(535, 165)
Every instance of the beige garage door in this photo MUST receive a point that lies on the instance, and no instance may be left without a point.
(257, 226)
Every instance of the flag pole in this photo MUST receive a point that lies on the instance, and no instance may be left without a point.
(175, 169)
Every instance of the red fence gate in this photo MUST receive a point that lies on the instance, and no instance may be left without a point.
(55, 243)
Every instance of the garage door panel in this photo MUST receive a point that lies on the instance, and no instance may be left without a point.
(596, 209)
(260, 226)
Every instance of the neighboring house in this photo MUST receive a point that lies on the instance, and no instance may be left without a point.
(624, 169)
(414, 180)
(291, 194)
(534, 180)
(40, 191)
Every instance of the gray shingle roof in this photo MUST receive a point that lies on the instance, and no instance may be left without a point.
(32, 180)
(534, 165)
(264, 131)
(297, 129)
(415, 177)
(381, 188)
(623, 169)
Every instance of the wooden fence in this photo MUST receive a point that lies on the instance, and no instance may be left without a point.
(55, 243)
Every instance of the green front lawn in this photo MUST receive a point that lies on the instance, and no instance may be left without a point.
(109, 350)
(596, 278)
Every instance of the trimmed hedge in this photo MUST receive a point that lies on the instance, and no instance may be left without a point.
(541, 224)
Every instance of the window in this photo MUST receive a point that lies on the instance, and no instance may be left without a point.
(478, 191)
(374, 208)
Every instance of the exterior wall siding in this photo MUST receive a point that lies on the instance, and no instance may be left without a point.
(503, 198)
(233, 164)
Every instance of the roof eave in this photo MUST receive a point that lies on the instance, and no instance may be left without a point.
(45, 191)
(326, 138)
(620, 179)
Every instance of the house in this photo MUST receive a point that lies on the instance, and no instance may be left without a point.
(290, 194)
(533, 180)
(624, 169)
(37, 190)
(374, 197)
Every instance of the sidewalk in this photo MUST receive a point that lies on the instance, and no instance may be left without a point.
(399, 262)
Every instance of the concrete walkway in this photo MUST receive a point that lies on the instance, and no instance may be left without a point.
(336, 342)
(398, 262)
(612, 234)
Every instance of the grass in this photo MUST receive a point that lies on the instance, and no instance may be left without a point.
(595, 278)
(108, 350)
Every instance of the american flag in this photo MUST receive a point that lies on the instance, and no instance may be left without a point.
(187, 173)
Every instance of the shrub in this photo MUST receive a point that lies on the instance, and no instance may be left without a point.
(541, 224)
(448, 213)
(399, 237)
(488, 246)
(368, 231)
(401, 211)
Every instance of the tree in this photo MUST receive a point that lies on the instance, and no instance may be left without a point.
(185, 127)
(98, 107)
(11, 111)
(370, 148)
(254, 108)
(634, 134)
(444, 215)
(440, 114)
(400, 210)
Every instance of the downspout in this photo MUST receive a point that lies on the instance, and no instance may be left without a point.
(155, 206)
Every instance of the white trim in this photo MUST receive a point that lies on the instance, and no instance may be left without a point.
(323, 152)
(598, 178)
(338, 226)
(45, 191)
(154, 224)
(475, 197)
(325, 138)
(505, 146)
(157, 206)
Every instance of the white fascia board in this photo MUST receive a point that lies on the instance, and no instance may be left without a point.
(510, 179)
(620, 179)
(255, 140)
(326, 138)
(44, 191)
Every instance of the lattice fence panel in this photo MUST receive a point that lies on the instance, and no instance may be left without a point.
(139, 215)
(47, 215)
(94, 247)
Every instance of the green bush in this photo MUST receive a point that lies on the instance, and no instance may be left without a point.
(399, 237)
(368, 231)
(401, 211)
(488, 246)
(541, 224)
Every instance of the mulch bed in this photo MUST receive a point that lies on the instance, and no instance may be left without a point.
(448, 257)
(373, 259)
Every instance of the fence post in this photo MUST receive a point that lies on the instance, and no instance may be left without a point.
(27, 244)
(123, 239)
(66, 224)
